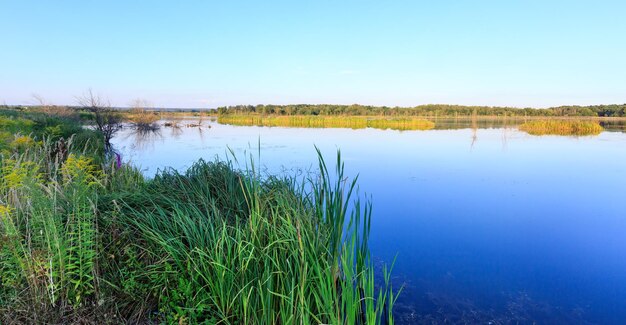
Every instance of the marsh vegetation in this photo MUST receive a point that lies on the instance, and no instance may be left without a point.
(495, 255)
(304, 121)
(142, 117)
(85, 237)
(562, 127)
(90, 240)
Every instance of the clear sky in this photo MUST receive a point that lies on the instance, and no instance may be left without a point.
(215, 53)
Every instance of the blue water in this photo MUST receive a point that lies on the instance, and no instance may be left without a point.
(488, 225)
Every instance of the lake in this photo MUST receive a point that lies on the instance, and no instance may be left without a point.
(489, 224)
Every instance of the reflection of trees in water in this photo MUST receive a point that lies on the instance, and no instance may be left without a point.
(175, 130)
(200, 133)
(145, 138)
(176, 127)
(505, 124)
(615, 126)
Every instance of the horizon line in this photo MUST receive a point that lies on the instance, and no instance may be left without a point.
(306, 104)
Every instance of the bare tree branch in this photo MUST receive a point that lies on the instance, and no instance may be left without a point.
(107, 120)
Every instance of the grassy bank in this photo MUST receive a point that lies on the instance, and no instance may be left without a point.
(85, 240)
(561, 127)
(352, 122)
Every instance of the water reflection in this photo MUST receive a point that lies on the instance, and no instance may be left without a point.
(610, 125)
(474, 131)
(142, 139)
(518, 229)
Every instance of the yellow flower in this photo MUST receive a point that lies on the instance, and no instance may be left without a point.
(5, 137)
(5, 217)
(4, 210)
(14, 174)
(82, 169)
(23, 142)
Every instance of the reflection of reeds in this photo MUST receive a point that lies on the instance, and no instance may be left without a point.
(561, 127)
(352, 122)
(474, 131)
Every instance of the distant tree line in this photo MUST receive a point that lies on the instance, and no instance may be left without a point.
(430, 110)
(615, 110)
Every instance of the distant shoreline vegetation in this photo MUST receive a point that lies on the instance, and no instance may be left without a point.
(307, 121)
(431, 110)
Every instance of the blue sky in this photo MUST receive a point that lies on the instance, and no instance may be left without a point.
(406, 53)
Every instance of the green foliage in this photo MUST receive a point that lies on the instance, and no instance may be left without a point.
(49, 226)
(228, 247)
(430, 110)
(39, 125)
(84, 241)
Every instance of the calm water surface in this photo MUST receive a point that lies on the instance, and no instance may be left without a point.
(489, 225)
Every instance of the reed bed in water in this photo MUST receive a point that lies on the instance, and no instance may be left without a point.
(401, 124)
(562, 127)
(84, 241)
(231, 248)
(143, 119)
(304, 121)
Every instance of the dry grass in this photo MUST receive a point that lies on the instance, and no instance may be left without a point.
(351, 122)
(562, 127)
(142, 118)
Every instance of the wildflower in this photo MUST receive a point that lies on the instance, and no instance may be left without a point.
(4, 210)
(14, 174)
(6, 222)
(23, 142)
(82, 169)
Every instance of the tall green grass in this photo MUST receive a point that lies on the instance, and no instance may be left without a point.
(49, 229)
(84, 241)
(229, 247)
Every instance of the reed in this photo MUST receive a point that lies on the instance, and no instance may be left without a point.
(307, 121)
(228, 247)
(402, 124)
(84, 240)
(562, 127)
